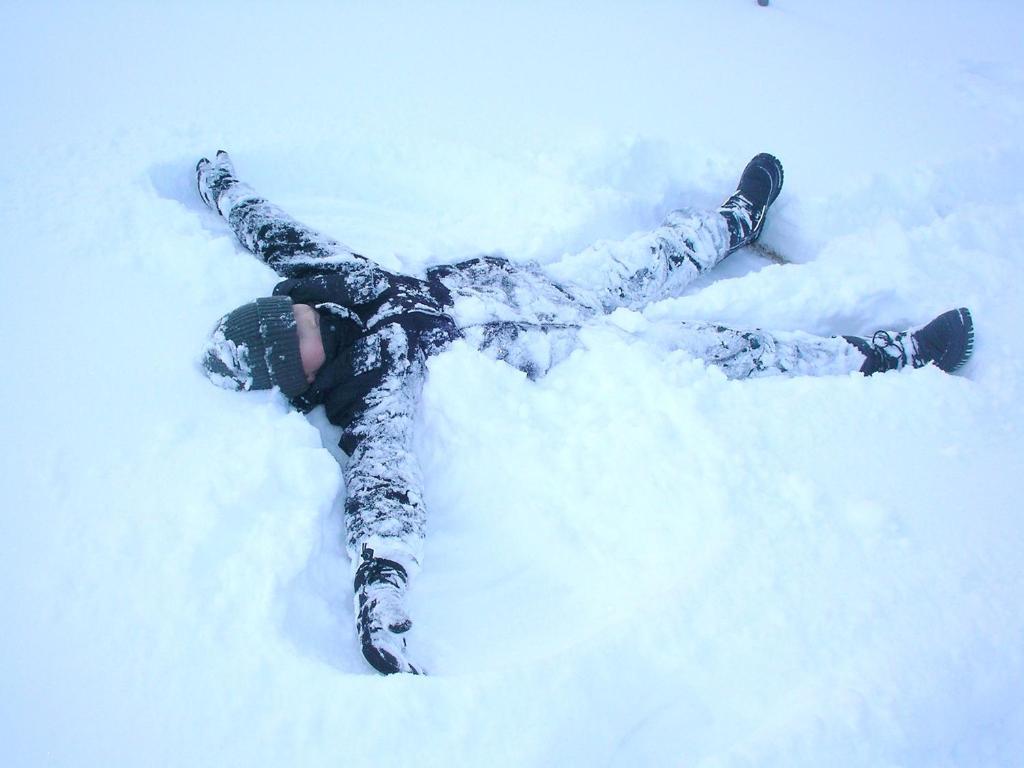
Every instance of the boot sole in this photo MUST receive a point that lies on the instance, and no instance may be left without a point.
(961, 335)
(767, 159)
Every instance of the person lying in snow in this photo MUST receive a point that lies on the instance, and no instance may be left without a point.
(342, 332)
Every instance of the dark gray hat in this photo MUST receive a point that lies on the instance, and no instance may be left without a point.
(257, 347)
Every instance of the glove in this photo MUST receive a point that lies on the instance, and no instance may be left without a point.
(381, 619)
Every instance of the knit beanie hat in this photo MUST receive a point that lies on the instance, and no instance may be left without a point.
(256, 347)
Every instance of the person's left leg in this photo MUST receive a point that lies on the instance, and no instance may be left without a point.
(661, 263)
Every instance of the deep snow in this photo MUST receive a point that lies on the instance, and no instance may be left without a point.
(630, 562)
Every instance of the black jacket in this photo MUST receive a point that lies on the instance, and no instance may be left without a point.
(350, 326)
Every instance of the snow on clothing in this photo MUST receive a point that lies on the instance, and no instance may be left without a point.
(379, 328)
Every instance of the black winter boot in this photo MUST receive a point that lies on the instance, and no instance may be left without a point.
(947, 341)
(380, 618)
(213, 178)
(745, 210)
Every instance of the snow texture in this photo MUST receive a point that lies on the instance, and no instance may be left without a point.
(633, 560)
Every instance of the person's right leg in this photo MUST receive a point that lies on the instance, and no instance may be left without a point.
(750, 353)
(947, 341)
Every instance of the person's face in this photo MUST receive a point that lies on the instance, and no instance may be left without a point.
(311, 346)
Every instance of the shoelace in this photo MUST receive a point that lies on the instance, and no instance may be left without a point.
(740, 206)
(889, 347)
(741, 220)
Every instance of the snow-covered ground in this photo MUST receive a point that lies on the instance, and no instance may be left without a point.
(630, 562)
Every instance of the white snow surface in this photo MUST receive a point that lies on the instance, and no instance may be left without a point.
(630, 562)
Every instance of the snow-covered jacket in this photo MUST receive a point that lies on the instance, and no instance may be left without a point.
(362, 335)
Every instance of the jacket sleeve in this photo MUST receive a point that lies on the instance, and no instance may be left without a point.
(293, 249)
(384, 504)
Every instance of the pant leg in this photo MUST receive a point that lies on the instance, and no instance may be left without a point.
(533, 348)
(492, 289)
(646, 267)
(740, 354)
(750, 353)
